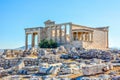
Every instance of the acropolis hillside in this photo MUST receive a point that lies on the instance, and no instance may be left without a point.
(70, 34)
(82, 53)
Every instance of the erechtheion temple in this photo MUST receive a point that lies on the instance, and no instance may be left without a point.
(70, 34)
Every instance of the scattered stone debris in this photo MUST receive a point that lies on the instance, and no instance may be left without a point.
(96, 68)
(61, 49)
(60, 61)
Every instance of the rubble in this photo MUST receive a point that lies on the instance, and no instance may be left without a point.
(89, 54)
(112, 73)
(3, 73)
(61, 49)
(116, 77)
(61, 61)
(8, 63)
(96, 68)
(31, 62)
(105, 77)
(13, 53)
(42, 52)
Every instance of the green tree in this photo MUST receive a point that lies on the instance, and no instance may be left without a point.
(47, 44)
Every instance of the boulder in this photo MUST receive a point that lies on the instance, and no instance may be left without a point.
(112, 73)
(42, 52)
(61, 49)
(105, 77)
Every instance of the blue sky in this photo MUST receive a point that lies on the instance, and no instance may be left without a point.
(15, 15)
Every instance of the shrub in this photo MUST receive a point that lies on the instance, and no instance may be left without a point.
(48, 44)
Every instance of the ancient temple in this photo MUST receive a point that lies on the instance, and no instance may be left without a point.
(70, 34)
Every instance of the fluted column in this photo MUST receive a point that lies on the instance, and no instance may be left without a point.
(56, 33)
(85, 36)
(81, 36)
(60, 32)
(65, 34)
(33, 40)
(92, 36)
(89, 36)
(107, 40)
(71, 36)
(50, 32)
(77, 36)
(26, 41)
(39, 39)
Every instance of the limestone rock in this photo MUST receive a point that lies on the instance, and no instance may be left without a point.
(61, 49)
(42, 52)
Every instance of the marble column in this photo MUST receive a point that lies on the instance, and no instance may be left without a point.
(65, 34)
(71, 36)
(91, 36)
(50, 28)
(88, 36)
(26, 41)
(60, 32)
(52, 33)
(33, 40)
(107, 40)
(56, 33)
(39, 39)
(76, 37)
(84, 36)
(81, 36)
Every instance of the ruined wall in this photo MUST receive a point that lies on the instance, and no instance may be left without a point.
(99, 39)
(43, 34)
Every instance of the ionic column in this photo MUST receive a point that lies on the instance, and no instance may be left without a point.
(50, 32)
(84, 37)
(81, 36)
(71, 36)
(107, 40)
(26, 41)
(92, 36)
(33, 40)
(39, 36)
(65, 34)
(56, 33)
(88, 36)
(77, 36)
(60, 32)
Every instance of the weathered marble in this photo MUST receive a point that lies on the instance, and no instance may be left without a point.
(69, 33)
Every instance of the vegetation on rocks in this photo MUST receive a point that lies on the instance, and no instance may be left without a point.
(48, 44)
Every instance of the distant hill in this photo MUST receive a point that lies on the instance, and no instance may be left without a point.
(1, 51)
(23, 47)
